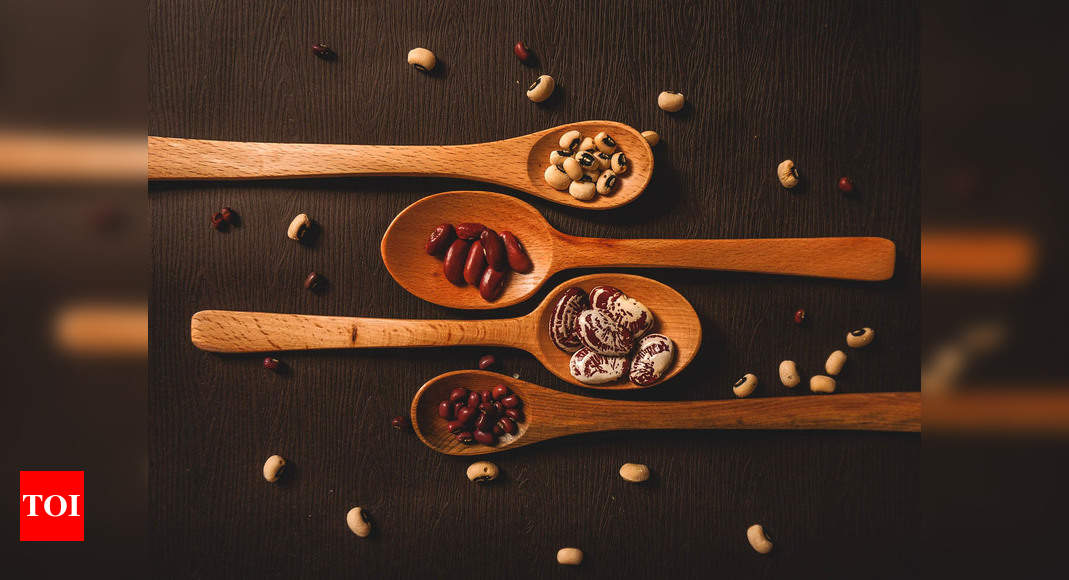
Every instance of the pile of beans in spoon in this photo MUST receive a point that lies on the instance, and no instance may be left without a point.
(481, 416)
(478, 255)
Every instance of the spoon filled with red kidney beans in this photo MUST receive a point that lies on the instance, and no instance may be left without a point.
(475, 254)
(481, 416)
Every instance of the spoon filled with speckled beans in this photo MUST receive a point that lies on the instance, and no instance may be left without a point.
(519, 163)
(535, 413)
(602, 331)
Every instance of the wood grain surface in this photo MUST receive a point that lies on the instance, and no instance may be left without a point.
(832, 85)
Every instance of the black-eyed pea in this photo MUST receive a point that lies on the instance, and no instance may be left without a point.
(557, 157)
(788, 374)
(745, 386)
(583, 189)
(482, 472)
(606, 181)
(651, 137)
(587, 161)
(572, 168)
(604, 159)
(570, 556)
(273, 468)
(422, 59)
(588, 145)
(570, 140)
(541, 89)
(787, 173)
(758, 540)
(619, 163)
(605, 143)
(557, 178)
(860, 338)
(670, 101)
(358, 523)
(835, 362)
(634, 472)
(821, 384)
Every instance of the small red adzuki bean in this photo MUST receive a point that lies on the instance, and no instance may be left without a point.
(455, 427)
(486, 361)
(486, 396)
(511, 402)
(522, 52)
(507, 425)
(475, 264)
(445, 410)
(469, 230)
(465, 437)
(845, 185)
(517, 255)
(440, 239)
(453, 267)
(486, 438)
(458, 394)
(494, 249)
(497, 429)
(799, 316)
(484, 423)
(465, 414)
(401, 423)
(500, 392)
(514, 414)
(473, 400)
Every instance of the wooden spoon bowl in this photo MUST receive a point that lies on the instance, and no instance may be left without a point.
(550, 414)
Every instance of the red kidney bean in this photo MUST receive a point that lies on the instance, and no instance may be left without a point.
(494, 249)
(465, 414)
(517, 256)
(475, 264)
(486, 438)
(511, 402)
(473, 400)
(522, 52)
(455, 427)
(458, 394)
(465, 437)
(469, 230)
(440, 239)
(484, 423)
(453, 267)
(492, 284)
(506, 425)
(486, 361)
(445, 410)
(500, 392)
(514, 414)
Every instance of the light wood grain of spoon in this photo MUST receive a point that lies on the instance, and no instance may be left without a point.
(550, 414)
(518, 163)
(230, 331)
(854, 258)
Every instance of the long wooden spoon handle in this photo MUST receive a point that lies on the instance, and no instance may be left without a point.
(230, 331)
(860, 411)
(853, 258)
(170, 158)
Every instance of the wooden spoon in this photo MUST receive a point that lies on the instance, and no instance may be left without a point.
(228, 331)
(519, 163)
(550, 414)
(551, 251)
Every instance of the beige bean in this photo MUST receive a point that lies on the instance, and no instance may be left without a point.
(358, 522)
(605, 182)
(605, 143)
(788, 374)
(572, 168)
(651, 137)
(861, 337)
(788, 175)
(584, 189)
(570, 140)
(604, 160)
(670, 101)
(835, 362)
(558, 157)
(758, 540)
(557, 178)
(587, 161)
(745, 386)
(273, 468)
(482, 472)
(570, 556)
(422, 59)
(541, 89)
(821, 384)
(619, 163)
(298, 227)
(634, 472)
(588, 145)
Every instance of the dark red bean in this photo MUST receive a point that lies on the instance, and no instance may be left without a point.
(458, 394)
(455, 427)
(315, 282)
(401, 423)
(799, 316)
(494, 249)
(229, 216)
(514, 414)
(512, 402)
(445, 410)
(499, 408)
(475, 264)
(473, 400)
(484, 423)
(497, 429)
(273, 364)
(465, 414)
(492, 284)
(324, 51)
(217, 221)
(486, 396)
(845, 185)
(458, 406)
(440, 239)
(453, 267)
(506, 425)
(517, 256)
(486, 438)
(486, 361)
(500, 392)
(522, 52)
(469, 230)
(488, 409)
(465, 437)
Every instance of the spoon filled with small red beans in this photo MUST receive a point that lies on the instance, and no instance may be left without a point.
(481, 416)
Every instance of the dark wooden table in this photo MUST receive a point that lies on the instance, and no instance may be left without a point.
(832, 85)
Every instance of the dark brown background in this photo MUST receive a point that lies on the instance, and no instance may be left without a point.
(832, 85)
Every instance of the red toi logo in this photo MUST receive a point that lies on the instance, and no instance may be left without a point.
(51, 506)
